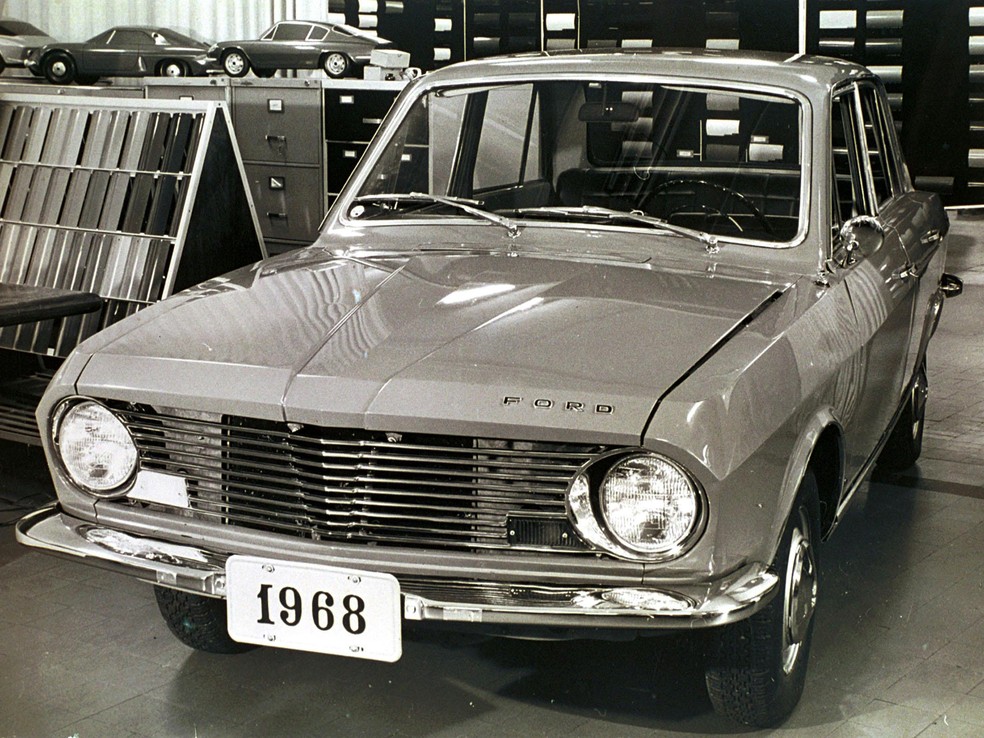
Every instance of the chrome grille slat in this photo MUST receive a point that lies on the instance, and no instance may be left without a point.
(350, 485)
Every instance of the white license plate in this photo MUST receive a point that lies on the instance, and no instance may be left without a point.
(309, 607)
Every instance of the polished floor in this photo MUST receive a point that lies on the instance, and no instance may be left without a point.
(898, 649)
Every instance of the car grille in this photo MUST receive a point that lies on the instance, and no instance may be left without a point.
(428, 491)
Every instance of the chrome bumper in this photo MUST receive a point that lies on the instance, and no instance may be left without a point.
(196, 570)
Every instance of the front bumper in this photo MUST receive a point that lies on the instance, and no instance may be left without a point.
(683, 605)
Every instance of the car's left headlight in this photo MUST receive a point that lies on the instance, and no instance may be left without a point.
(638, 505)
(94, 447)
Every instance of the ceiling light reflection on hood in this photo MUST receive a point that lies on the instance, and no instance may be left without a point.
(469, 294)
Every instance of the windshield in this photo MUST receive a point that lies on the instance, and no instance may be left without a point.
(721, 162)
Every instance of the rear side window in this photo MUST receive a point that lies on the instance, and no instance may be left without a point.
(879, 142)
(291, 32)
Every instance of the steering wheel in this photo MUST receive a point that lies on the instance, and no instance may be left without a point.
(728, 192)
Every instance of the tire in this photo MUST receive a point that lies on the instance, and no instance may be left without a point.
(905, 441)
(172, 68)
(197, 621)
(264, 73)
(59, 68)
(235, 63)
(336, 64)
(756, 668)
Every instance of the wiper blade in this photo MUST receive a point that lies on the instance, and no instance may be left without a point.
(633, 216)
(472, 207)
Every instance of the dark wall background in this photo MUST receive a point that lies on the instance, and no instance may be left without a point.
(927, 52)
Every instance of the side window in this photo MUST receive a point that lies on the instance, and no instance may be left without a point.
(131, 39)
(509, 144)
(291, 32)
(879, 142)
(847, 186)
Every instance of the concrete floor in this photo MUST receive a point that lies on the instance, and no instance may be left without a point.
(898, 648)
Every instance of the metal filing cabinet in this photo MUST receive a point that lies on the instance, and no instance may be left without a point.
(353, 112)
(300, 139)
(278, 126)
(214, 89)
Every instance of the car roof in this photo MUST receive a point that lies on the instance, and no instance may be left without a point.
(808, 74)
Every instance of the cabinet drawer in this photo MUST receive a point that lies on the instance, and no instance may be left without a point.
(288, 200)
(278, 124)
(354, 115)
(341, 160)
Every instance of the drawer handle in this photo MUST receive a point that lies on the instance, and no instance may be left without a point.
(350, 154)
(279, 139)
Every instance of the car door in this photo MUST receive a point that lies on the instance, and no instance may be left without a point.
(288, 49)
(870, 204)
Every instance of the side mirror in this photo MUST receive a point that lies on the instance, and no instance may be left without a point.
(950, 285)
(844, 254)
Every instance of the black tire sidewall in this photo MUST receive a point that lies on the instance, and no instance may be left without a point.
(70, 68)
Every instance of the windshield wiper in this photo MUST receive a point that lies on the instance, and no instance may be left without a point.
(472, 207)
(632, 216)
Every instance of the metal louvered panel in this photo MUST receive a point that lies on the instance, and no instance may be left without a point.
(360, 486)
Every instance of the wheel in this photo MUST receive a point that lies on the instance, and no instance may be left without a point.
(59, 68)
(197, 621)
(171, 68)
(87, 79)
(335, 64)
(264, 73)
(756, 667)
(905, 441)
(718, 190)
(235, 63)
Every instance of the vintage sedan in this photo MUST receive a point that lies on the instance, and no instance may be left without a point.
(337, 49)
(591, 345)
(17, 39)
(123, 51)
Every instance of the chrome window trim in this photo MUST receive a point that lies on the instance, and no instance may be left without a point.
(427, 86)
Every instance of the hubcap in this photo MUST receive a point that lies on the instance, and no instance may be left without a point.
(336, 63)
(59, 68)
(172, 70)
(234, 63)
(800, 595)
(919, 392)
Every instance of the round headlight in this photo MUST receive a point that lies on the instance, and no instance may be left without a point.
(95, 447)
(650, 505)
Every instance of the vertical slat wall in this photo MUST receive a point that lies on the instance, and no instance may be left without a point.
(95, 197)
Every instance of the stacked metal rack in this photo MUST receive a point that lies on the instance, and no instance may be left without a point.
(128, 200)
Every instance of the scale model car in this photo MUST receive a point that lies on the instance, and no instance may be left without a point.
(591, 345)
(123, 51)
(17, 39)
(338, 49)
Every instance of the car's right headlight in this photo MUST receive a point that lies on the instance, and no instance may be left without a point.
(637, 505)
(94, 447)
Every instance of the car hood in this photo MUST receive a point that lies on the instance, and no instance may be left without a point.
(471, 343)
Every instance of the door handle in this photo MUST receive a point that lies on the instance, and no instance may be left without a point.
(931, 236)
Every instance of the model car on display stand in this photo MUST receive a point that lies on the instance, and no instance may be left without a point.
(17, 39)
(337, 49)
(591, 345)
(123, 51)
